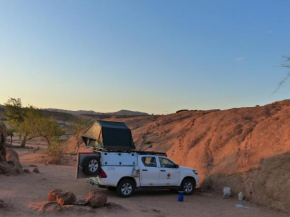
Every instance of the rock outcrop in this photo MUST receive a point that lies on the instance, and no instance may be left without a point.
(9, 160)
(12, 158)
(2, 143)
(246, 149)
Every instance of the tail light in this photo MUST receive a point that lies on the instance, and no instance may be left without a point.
(195, 172)
(103, 174)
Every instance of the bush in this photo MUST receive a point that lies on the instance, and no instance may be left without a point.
(55, 152)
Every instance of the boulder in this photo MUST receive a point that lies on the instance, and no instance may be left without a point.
(61, 197)
(8, 169)
(36, 170)
(52, 194)
(98, 200)
(9, 160)
(2, 204)
(65, 198)
(90, 196)
(5, 168)
(26, 170)
(12, 155)
(2, 143)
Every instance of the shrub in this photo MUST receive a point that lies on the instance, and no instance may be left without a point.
(55, 152)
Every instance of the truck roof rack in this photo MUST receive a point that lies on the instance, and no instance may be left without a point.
(151, 153)
(139, 152)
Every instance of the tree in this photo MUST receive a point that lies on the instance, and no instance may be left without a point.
(30, 122)
(10, 132)
(40, 126)
(16, 115)
(79, 124)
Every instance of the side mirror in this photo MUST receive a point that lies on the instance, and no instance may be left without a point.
(176, 166)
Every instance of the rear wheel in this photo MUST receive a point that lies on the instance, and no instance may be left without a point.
(125, 188)
(187, 186)
(91, 165)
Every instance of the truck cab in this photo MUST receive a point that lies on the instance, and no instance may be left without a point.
(127, 171)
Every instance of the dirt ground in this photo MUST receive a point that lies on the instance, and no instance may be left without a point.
(23, 193)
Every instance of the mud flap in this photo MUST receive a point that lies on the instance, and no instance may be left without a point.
(79, 170)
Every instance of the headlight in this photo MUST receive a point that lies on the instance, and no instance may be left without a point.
(195, 172)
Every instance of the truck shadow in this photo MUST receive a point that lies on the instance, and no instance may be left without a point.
(147, 193)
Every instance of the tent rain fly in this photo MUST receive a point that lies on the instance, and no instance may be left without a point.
(109, 135)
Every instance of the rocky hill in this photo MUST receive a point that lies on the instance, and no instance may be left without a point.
(247, 149)
(93, 113)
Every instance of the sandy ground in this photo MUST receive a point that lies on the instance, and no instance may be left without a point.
(22, 194)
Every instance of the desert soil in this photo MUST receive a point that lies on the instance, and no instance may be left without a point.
(23, 193)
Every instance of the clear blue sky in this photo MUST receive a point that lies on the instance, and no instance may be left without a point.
(156, 56)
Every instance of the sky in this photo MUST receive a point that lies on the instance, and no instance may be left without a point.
(155, 56)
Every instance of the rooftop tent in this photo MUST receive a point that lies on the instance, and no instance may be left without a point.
(109, 135)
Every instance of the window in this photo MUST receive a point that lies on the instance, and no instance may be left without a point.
(149, 161)
(164, 162)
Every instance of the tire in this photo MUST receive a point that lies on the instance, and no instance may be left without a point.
(91, 165)
(110, 188)
(188, 186)
(126, 188)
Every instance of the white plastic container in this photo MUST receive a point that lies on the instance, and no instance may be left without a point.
(227, 193)
(240, 196)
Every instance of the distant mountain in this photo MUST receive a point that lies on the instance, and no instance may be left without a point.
(122, 112)
(79, 112)
(90, 112)
(127, 112)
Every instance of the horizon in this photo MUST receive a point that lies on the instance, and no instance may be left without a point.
(153, 57)
(108, 112)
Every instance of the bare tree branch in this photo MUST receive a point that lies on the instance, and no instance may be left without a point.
(285, 65)
(281, 83)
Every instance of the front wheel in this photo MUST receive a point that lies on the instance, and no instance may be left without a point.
(126, 188)
(188, 186)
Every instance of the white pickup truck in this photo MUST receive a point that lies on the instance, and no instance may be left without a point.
(127, 171)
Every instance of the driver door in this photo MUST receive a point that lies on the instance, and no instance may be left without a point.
(169, 172)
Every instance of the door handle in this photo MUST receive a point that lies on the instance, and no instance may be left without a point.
(163, 170)
(144, 170)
